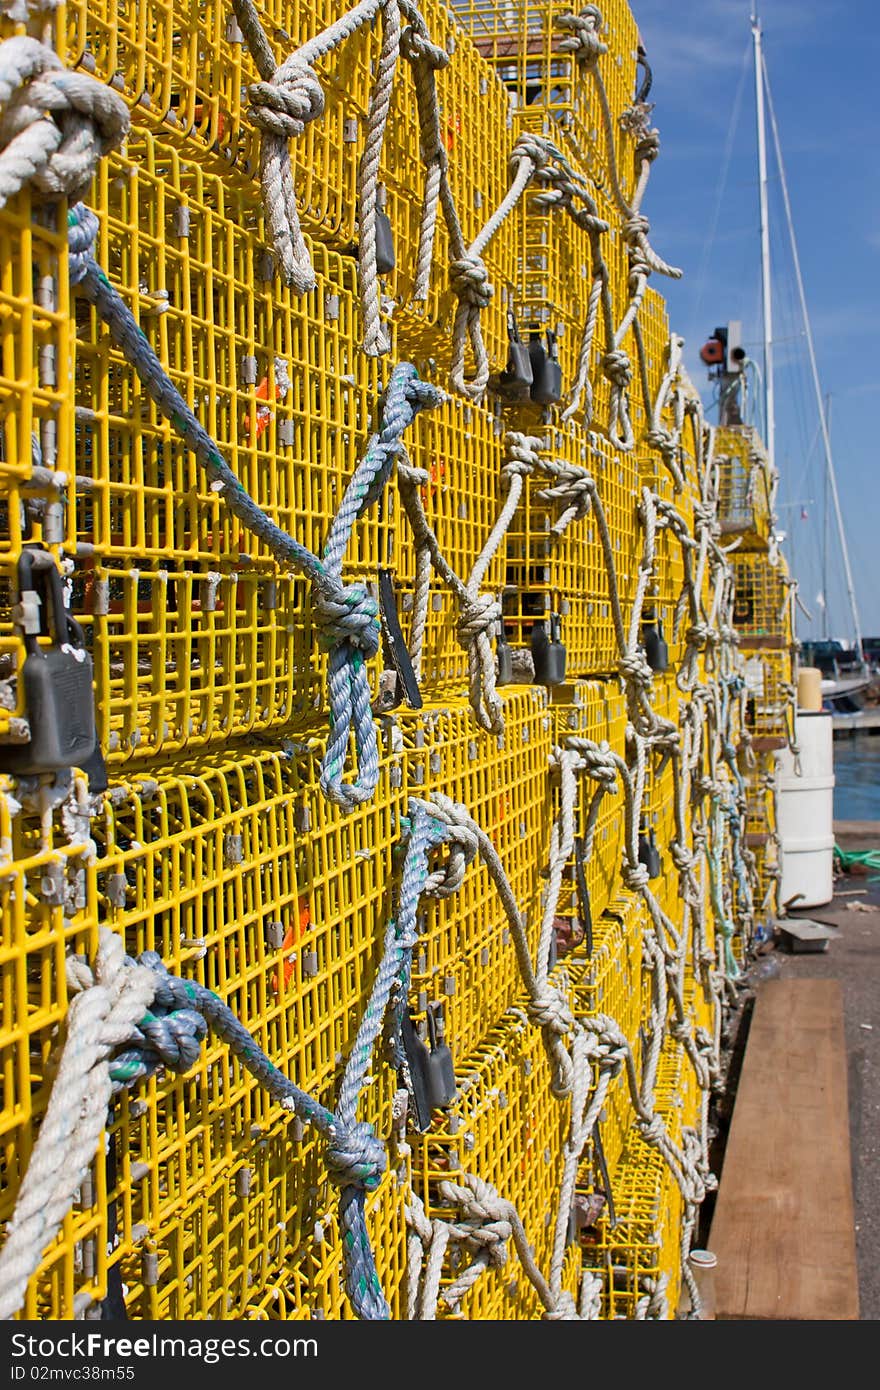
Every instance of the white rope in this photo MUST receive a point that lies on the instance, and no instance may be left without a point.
(55, 125)
(584, 42)
(375, 339)
(479, 613)
(469, 277)
(111, 1001)
(290, 95)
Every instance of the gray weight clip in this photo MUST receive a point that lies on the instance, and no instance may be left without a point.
(56, 680)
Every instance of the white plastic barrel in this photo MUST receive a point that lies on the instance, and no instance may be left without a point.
(806, 813)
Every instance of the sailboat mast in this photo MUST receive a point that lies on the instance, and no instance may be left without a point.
(766, 297)
(826, 527)
(814, 371)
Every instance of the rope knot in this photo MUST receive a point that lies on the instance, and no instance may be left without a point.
(169, 1034)
(477, 615)
(82, 229)
(174, 1039)
(563, 1310)
(660, 439)
(648, 146)
(285, 105)
(478, 1201)
(469, 280)
(584, 41)
(573, 489)
(56, 125)
(635, 877)
(551, 1010)
(635, 227)
(355, 1157)
(350, 615)
(418, 48)
(532, 147)
(681, 856)
(448, 877)
(653, 1131)
(617, 368)
(522, 454)
(635, 670)
(700, 635)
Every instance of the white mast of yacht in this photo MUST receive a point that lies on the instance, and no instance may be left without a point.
(762, 90)
(766, 295)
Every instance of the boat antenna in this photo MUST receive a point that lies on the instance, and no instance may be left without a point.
(811, 349)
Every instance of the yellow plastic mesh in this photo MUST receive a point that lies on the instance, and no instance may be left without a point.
(745, 486)
(549, 91)
(239, 873)
(762, 601)
(612, 981)
(311, 1285)
(36, 410)
(460, 446)
(641, 1250)
(769, 703)
(213, 844)
(596, 711)
(568, 574)
(466, 957)
(185, 72)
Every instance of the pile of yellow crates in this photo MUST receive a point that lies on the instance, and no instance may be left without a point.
(763, 614)
(603, 843)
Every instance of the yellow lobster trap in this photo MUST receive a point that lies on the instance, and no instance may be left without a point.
(238, 873)
(746, 485)
(539, 59)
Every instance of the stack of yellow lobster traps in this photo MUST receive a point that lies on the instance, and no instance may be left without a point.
(386, 803)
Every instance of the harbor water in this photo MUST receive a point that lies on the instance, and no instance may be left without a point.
(857, 778)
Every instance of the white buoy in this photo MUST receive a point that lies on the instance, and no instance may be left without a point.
(806, 813)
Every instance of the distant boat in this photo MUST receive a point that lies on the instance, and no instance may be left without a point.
(839, 695)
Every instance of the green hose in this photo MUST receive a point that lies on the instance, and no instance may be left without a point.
(869, 857)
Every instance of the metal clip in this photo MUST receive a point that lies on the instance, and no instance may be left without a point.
(580, 860)
(395, 647)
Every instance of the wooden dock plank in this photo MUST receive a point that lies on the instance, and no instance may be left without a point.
(783, 1227)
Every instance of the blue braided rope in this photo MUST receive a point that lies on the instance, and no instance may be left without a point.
(174, 1029)
(346, 615)
(171, 1033)
(401, 935)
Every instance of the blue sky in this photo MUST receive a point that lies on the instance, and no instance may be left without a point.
(823, 61)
